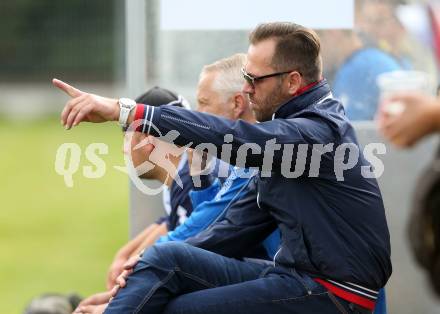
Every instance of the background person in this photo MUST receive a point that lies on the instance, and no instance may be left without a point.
(362, 55)
(419, 118)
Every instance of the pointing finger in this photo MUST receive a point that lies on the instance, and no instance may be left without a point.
(68, 89)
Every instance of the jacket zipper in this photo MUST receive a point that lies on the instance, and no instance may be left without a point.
(275, 257)
(258, 200)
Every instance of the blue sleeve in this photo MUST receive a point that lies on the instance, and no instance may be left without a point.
(200, 196)
(244, 226)
(208, 211)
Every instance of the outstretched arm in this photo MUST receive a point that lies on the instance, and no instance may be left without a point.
(87, 107)
(251, 145)
(151, 238)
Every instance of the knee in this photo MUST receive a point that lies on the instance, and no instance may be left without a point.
(164, 255)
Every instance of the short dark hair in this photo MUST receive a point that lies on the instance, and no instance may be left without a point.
(297, 48)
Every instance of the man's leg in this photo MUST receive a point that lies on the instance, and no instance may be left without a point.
(170, 269)
(279, 291)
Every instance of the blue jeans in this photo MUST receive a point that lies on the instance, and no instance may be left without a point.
(176, 278)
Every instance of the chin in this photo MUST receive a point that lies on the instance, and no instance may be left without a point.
(259, 114)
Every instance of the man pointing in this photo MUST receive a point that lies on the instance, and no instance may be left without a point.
(335, 251)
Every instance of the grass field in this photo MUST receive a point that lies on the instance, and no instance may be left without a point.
(54, 238)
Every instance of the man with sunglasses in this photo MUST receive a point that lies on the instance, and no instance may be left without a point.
(335, 250)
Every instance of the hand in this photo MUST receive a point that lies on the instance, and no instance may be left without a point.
(86, 107)
(96, 299)
(91, 309)
(419, 117)
(116, 268)
(198, 161)
(121, 281)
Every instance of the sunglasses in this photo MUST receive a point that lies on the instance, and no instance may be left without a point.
(251, 80)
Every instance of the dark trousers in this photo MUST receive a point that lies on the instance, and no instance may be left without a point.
(178, 278)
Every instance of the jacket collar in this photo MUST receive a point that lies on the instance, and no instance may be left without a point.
(308, 98)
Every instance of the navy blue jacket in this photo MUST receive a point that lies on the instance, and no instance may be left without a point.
(330, 228)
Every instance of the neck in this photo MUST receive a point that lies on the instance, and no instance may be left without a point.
(306, 86)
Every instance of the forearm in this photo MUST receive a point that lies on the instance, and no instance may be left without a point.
(132, 246)
(193, 128)
(151, 238)
(231, 139)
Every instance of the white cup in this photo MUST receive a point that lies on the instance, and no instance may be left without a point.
(390, 83)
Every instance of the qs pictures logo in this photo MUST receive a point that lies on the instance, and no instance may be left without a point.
(142, 155)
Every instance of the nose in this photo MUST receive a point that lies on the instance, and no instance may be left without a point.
(247, 88)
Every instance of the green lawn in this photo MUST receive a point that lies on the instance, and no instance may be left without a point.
(54, 238)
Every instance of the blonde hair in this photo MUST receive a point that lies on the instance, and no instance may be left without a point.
(228, 79)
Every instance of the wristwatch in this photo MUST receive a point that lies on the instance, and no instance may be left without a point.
(126, 105)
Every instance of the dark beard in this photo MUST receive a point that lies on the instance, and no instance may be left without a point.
(271, 103)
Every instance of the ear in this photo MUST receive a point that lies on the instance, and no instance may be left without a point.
(294, 81)
(240, 105)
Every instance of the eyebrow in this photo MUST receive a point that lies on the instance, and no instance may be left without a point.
(250, 73)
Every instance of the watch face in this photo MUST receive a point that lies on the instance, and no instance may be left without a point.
(127, 103)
